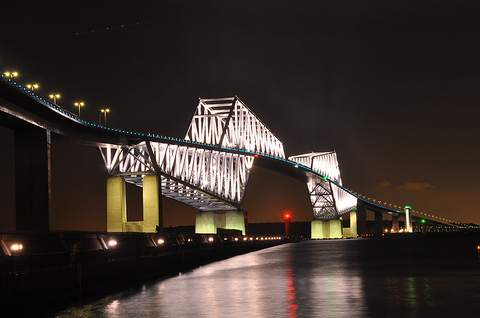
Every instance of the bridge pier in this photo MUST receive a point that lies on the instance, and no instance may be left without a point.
(117, 206)
(395, 226)
(207, 222)
(32, 180)
(236, 220)
(152, 204)
(362, 228)
(326, 229)
(408, 219)
(378, 223)
(353, 224)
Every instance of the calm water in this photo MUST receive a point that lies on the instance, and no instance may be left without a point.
(394, 277)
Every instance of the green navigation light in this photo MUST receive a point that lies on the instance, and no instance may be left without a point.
(424, 221)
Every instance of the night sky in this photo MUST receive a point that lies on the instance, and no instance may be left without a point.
(392, 86)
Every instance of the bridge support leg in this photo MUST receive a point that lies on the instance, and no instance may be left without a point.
(378, 223)
(236, 220)
(320, 230)
(326, 229)
(32, 180)
(335, 228)
(152, 204)
(361, 220)
(206, 222)
(116, 204)
(408, 219)
(353, 224)
(395, 227)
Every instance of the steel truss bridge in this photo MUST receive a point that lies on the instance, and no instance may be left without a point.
(208, 169)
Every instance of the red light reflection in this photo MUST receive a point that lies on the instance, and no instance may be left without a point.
(291, 295)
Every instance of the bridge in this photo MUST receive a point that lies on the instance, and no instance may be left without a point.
(208, 169)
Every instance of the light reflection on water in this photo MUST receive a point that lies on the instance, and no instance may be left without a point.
(342, 278)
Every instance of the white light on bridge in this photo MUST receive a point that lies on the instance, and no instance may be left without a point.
(10, 74)
(161, 241)
(54, 97)
(16, 247)
(112, 243)
(32, 87)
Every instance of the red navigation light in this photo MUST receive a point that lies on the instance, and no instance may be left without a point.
(255, 156)
(287, 217)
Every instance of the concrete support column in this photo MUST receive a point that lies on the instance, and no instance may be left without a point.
(32, 180)
(395, 226)
(320, 229)
(326, 229)
(236, 220)
(205, 222)
(116, 204)
(408, 219)
(152, 204)
(378, 223)
(353, 224)
(361, 220)
(335, 228)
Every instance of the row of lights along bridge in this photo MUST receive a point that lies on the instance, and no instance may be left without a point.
(103, 113)
(54, 97)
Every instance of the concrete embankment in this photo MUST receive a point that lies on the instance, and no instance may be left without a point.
(54, 267)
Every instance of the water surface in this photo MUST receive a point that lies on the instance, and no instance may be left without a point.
(389, 277)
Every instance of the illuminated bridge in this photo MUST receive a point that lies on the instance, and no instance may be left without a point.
(208, 169)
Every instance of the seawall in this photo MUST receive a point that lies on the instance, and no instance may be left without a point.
(53, 268)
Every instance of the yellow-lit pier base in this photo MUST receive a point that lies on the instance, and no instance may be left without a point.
(326, 229)
(208, 222)
(117, 206)
(151, 203)
(236, 220)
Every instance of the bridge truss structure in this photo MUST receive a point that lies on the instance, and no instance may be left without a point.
(328, 198)
(227, 122)
(210, 170)
(204, 173)
(206, 179)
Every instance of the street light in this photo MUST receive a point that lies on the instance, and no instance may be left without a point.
(54, 97)
(32, 86)
(10, 74)
(79, 105)
(105, 111)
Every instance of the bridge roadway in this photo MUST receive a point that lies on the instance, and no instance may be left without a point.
(30, 115)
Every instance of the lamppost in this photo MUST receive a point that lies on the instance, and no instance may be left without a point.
(105, 111)
(79, 105)
(32, 87)
(10, 74)
(54, 97)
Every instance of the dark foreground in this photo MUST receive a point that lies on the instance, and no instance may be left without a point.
(58, 268)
